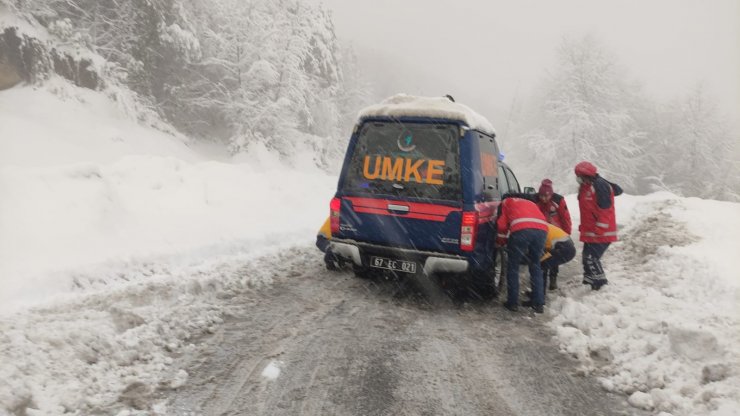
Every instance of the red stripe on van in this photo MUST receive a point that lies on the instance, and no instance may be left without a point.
(417, 210)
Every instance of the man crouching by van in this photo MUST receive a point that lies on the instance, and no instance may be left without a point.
(522, 229)
(559, 249)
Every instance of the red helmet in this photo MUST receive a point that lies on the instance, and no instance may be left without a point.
(585, 169)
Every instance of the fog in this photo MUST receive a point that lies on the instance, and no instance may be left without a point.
(491, 54)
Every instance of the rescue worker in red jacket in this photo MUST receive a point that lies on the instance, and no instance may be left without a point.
(555, 210)
(553, 207)
(598, 226)
(523, 229)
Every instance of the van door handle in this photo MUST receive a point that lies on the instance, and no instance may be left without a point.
(403, 209)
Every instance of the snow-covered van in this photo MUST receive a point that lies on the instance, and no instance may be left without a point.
(418, 192)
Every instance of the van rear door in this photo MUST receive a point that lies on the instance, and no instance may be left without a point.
(402, 187)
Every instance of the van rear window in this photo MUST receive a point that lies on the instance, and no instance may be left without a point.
(417, 160)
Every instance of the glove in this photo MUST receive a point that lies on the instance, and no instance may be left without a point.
(500, 242)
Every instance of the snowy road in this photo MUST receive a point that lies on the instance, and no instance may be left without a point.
(318, 343)
(241, 329)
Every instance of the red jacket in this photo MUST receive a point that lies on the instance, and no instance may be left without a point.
(518, 214)
(556, 212)
(598, 219)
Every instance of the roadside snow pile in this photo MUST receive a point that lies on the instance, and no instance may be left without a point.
(403, 105)
(87, 192)
(114, 352)
(666, 330)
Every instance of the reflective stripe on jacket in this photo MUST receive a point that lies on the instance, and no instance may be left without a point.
(554, 235)
(518, 214)
(556, 212)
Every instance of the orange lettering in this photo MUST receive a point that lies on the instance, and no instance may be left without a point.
(394, 172)
(435, 168)
(366, 168)
(413, 169)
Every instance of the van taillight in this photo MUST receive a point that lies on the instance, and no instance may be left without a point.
(468, 230)
(334, 208)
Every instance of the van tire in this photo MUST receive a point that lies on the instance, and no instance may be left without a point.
(482, 284)
(332, 262)
(487, 284)
(499, 270)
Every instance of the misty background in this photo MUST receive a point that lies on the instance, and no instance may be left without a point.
(675, 59)
(648, 91)
(490, 53)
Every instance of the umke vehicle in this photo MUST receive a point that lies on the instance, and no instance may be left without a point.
(418, 193)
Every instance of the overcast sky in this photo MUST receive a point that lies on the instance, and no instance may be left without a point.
(489, 52)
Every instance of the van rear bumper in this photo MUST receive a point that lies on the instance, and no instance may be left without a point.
(432, 262)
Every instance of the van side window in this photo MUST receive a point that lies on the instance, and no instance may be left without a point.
(503, 186)
(488, 161)
(513, 183)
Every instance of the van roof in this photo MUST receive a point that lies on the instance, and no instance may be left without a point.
(403, 105)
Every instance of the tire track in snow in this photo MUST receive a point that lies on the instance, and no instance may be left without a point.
(350, 346)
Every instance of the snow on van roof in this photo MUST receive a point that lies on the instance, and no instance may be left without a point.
(403, 105)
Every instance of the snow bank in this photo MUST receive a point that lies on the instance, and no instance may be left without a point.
(86, 191)
(666, 330)
(403, 105)
(115, 351)
(118, 244)
(60, 124)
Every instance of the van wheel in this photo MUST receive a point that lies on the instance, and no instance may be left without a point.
(499, 270)
(482, 284)
(487, 284)
(332, 262)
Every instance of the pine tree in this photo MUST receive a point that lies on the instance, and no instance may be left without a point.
(241, 71)
(584, 113)
(697, 148)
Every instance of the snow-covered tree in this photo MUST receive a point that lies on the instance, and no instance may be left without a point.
(691, 149)
(583, 112)
(241, 71)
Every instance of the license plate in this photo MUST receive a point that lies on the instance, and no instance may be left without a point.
(395, 265)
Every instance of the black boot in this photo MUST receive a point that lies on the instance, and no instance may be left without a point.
(553, 281)
(537, 308)
(511, 306)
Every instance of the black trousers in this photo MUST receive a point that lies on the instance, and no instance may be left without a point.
(593, 271)
(561, 253)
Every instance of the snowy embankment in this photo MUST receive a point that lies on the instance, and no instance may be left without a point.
(666, 330)
(116, 242)
(84, 191)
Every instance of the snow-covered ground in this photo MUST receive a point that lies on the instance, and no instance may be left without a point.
(117, 243)
(86, 190)
(666, 330)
